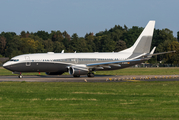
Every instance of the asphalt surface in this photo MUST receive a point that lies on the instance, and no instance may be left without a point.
(97, 78)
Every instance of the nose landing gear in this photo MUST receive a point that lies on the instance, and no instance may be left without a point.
(20, 76)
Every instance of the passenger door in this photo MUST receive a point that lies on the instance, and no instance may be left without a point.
(76, 60)
(28, 62)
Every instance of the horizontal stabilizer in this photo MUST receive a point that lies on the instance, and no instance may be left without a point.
(154, 54)
(163, 53)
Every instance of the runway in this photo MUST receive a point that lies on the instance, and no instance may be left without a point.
(97, 78)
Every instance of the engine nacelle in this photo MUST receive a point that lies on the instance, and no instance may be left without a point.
(54, 73)
(78, 70)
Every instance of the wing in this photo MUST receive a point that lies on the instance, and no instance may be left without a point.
(142, 58)
(110, 64)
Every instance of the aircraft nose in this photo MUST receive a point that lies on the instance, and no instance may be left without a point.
(5, 65)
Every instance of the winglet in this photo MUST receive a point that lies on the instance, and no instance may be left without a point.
(151, 53)
(62, 51)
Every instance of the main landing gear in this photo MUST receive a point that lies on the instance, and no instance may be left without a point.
(90, 74)
(76, 75)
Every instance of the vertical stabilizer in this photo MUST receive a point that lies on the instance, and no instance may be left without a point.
(143, 43)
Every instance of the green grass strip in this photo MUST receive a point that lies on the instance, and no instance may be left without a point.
(89, 101)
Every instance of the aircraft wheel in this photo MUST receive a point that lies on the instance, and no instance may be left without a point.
(90, 74)
(20, 76)
(76, 75)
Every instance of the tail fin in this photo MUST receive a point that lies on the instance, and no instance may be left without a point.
(143, 43)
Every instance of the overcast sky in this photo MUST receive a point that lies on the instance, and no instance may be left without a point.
(84, 16)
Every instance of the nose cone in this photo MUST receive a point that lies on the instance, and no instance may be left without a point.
(5, 65)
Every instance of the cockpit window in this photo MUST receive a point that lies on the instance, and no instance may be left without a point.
(15, 60)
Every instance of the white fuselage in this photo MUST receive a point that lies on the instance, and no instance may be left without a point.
(84, 63)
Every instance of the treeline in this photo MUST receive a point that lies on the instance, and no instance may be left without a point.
(114, 39)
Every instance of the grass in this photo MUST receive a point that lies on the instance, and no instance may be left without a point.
(126, 71)
(142, 71)
(86, 101)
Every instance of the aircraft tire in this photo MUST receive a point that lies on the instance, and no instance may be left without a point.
(76, 75)
(90, 74)
(20, 76)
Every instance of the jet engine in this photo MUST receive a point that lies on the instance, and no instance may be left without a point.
(78, 70)
(54, 73)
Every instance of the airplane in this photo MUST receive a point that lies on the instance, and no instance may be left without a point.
(85, 63)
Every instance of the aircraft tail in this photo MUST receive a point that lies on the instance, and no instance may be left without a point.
(143, 43)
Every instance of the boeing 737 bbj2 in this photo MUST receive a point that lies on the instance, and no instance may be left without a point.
(85, 63)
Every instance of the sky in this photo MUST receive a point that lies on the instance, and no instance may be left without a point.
(85, 16)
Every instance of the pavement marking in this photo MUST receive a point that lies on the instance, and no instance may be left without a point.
(133, 80)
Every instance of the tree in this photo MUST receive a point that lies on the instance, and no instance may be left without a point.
(23, 34)
(10, 43)
(131, 35)
(108, 45)
(56, 36)
(120, 45)
(97, 42)
(58, 47)
(125, 28)
(40, 47)
(66, 43)
(167, 34)
(116, 32)
(83, 45)
(2, 44)
(162, 38)
(66, 35)
(162, 35)
(13, 47)
(74, 43)
(8, 35)
(29, 45)
(90, 44)
(174, 57)
(162, 47)
(48, 45)
(42, 34)
(66, 40)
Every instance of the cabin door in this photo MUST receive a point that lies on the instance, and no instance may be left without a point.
(28, 62)
(76, 60)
